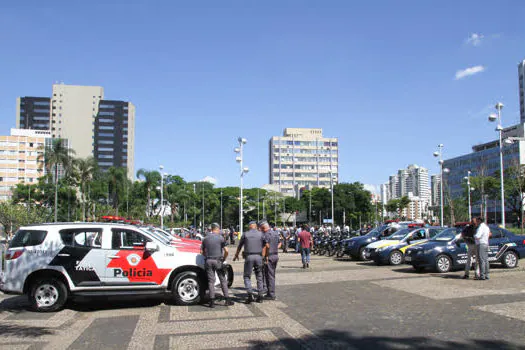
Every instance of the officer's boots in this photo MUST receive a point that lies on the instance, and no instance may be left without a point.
(249, 300)
(228, 302)
(212, 303)
(260, 298)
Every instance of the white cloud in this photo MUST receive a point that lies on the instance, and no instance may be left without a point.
(460, 74)
(371, 188)
(475, 39)
(209, 179)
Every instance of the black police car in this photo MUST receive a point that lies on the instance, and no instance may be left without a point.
(355, 246)
(447, 250)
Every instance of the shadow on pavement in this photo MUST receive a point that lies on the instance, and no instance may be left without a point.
(14, 305)
(332, 339)
(23, 331)
(101, 303)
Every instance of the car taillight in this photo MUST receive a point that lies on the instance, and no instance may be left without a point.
(12, 255)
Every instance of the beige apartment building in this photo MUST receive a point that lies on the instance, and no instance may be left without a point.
(19, 159)
(303, 158)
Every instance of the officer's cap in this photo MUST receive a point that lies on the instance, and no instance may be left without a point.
(215, 226)
(252, 223)
(262, 222)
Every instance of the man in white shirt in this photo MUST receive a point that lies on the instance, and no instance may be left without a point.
(482, 245)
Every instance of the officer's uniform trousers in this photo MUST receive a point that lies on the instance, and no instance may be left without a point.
(212, 266)
(253, 262)
(269, 274)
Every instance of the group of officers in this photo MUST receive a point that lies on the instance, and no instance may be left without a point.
(261, 246)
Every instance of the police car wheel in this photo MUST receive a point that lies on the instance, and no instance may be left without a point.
(396, 257)
(443, 263)
(362, 254)
(187, 288)
(47, 295)
(510, 260)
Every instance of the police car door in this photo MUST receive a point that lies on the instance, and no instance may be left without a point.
(497, 243)
(128, 264)
(82, 256)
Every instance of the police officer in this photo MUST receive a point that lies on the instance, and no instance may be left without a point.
(273, 243)
(254, 249)
(214, 250)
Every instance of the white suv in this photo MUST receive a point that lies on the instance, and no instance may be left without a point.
(51, 262)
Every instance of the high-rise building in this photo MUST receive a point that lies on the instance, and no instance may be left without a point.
(303, 158)
(73, 114)
(521, 77)
(21, 159)
(412, 180)
(33, 113)
(115, 135)
(435, 191)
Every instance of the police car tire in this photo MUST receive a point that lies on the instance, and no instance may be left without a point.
(514, 262)
(391, 256)
(362, 256)
(59, 287)
(442, 257)
(187, 277)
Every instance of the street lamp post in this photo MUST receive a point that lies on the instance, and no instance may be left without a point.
(332, 178)
(468, 191)
(221, 208)
(161, 196)
(499, 129)
(439, 154)
(239, 150)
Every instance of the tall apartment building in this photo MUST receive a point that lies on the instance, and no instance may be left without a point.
(435, 190)
(521, 78)
(74, 115)
(33, 113)
(114, 136)
(303, 158)
(19, 159)
(413, 179)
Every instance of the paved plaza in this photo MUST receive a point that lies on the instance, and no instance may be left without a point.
(335, 304)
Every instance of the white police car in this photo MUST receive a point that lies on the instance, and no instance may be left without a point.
(52, 262)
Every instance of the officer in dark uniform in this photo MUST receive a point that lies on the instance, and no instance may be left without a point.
(271, 258)
(214, 250)
(254, 249)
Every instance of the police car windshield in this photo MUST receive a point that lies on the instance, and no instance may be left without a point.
(375, 232)
(158, 236)
(446, 235)
(399, 235)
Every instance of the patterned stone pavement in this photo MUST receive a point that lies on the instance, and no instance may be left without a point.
(335, 304)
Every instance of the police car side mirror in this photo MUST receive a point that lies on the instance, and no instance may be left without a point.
(151, 247)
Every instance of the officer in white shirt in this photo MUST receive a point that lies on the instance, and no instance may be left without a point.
(482, 245)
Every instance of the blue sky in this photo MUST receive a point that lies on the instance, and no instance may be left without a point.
(380, 75)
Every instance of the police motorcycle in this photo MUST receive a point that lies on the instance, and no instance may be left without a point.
(325, 244)
(318, 239)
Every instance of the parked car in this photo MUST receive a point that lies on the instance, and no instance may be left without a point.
(355, 246)
(52, 262)
(447, 250)
(394, 253)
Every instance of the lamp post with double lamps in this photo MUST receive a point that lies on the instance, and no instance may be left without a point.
(468, 191)
(239, 150)
(499, 129)
(439, 153)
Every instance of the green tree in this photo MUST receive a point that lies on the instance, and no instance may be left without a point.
(151, 180)
(85, 170)
(57, 154)
(12, 216)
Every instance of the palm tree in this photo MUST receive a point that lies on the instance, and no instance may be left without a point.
(151, 178)
(85, 170)
(116, 177)
(55, 155)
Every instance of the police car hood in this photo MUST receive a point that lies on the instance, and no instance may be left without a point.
(382, 243)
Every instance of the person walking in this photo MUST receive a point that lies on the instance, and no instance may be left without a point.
(270, 259)
(472, 260)
(482, 244)
(214, 250)
(254, 249)
(286, 238)
(305, 239)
